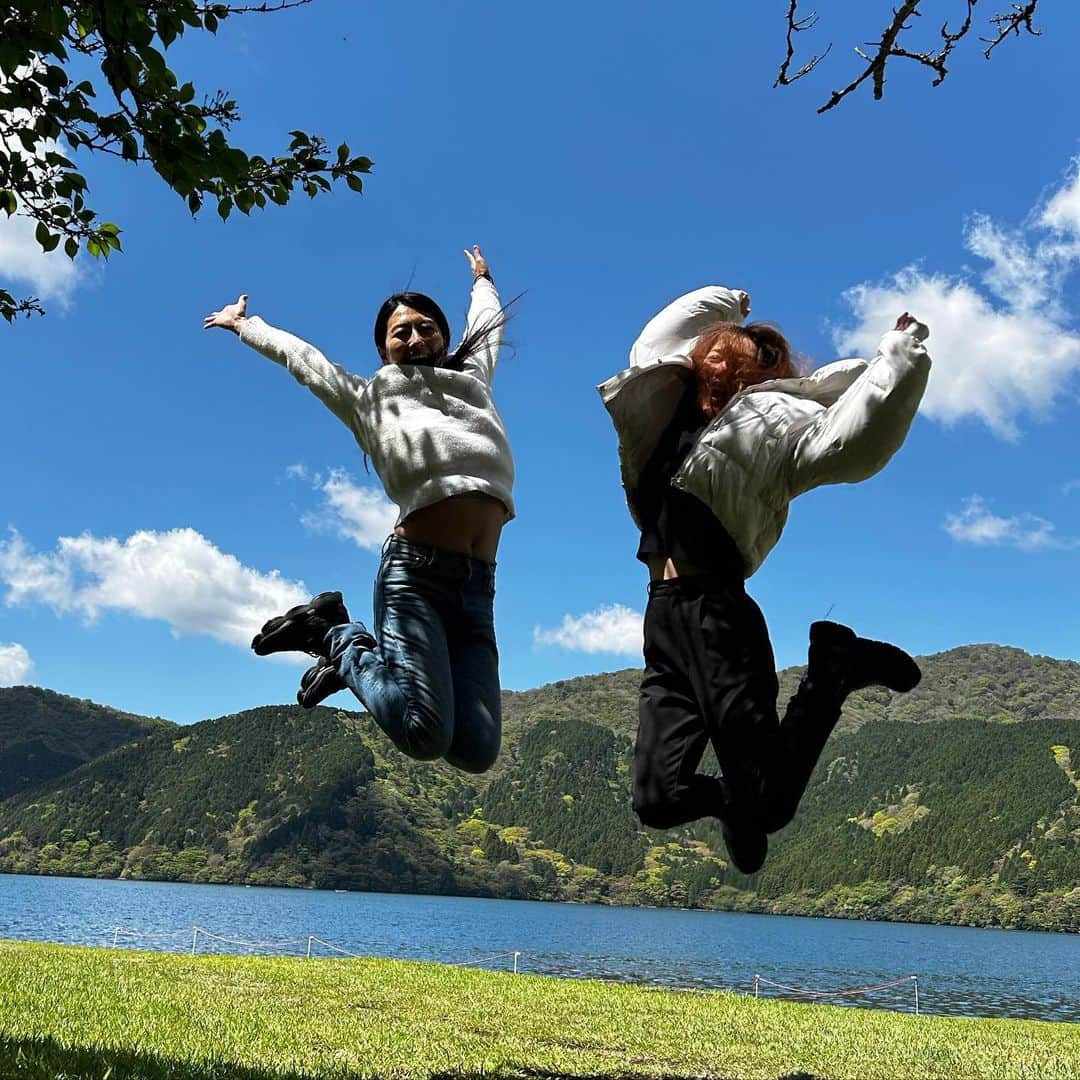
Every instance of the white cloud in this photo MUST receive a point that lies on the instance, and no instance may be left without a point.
(361, 514)
(976, 524)
(15, 664)
(1004, 347)
(178, 576)
(51, 275)
(613, 628)
(1070, 486)
(1062, 210)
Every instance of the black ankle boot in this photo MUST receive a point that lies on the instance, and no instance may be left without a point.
(302, 628)
(318, 683)
(842, 662)
(746, 843)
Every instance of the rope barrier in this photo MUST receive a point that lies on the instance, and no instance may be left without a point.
(250, 944)
(488, 959)
(312, 939)
(336, 948)
(760, 979)
(309, 940)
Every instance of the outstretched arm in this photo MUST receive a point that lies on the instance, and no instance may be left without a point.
(674, 331)
(337, 388)
(857, 435)
(485, 321)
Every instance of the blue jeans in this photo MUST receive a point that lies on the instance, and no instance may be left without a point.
(432, 683)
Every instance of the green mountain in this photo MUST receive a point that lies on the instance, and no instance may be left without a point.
(44, 735)
(959, 803)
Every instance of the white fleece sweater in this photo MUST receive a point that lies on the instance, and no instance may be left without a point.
(430, 432)
(772, 441)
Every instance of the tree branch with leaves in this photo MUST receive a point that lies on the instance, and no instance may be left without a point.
(138, 110)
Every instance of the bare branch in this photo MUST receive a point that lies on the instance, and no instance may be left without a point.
(876, 63)
(936, 61)
(795, 26)
(878, 53)
(1010, 22)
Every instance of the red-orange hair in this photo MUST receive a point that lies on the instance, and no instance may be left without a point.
(750, 355)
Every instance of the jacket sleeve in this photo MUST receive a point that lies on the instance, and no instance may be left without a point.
(486, 318)
(335, 387)
(855, 437)
(674, 331)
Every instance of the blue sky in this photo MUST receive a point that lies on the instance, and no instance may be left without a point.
(165, 489)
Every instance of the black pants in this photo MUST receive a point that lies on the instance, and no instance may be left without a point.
(710, 676)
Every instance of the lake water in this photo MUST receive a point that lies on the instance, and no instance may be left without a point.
(961, 971)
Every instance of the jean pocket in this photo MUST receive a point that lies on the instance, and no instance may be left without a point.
(405, 559)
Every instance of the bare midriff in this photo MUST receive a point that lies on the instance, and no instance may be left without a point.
(470, 524)
(661, 568)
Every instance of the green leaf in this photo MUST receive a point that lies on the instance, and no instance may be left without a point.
(71, 247)
(93, 247)
(355, 183)
(42, 234)
(51, 243)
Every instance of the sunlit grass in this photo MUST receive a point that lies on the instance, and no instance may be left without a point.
(82, 1012)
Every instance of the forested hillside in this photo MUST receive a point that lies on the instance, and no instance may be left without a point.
(970, 815)
(44, 735)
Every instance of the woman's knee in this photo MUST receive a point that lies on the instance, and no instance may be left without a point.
(654, 808)
(477, 759)
(427, 735)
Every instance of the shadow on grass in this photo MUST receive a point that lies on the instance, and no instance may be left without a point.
(526, 1073)
(46, 1059)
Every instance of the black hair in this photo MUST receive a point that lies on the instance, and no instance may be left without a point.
(431, 310)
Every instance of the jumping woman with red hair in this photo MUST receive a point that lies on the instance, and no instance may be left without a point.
(718, 432)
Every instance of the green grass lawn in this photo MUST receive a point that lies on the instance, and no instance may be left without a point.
(86, 1012)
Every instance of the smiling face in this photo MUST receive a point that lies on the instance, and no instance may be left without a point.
(413, 338)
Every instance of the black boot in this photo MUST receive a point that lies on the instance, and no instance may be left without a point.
(302, 628)
(842, 662)
(318, 683)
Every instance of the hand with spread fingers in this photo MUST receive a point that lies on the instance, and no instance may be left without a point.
(230, 317)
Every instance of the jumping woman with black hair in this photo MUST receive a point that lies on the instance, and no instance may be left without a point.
(429, 675)
(718, 432)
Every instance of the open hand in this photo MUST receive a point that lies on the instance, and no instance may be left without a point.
(744, 302)
(230, 317)
(477, 262)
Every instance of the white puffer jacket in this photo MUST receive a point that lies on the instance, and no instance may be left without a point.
(772, 441)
